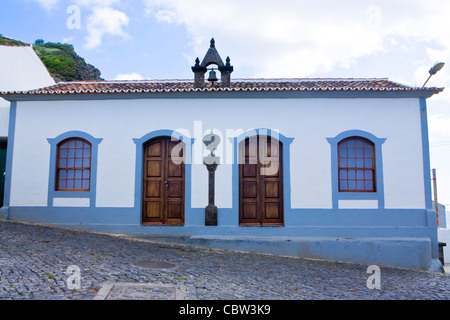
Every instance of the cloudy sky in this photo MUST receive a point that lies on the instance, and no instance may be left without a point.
(160, 39)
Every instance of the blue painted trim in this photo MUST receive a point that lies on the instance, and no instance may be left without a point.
(285, 144)
(336, 195)
(9, 155)
(91, 194)
(432, 219)
(426, 155)
(140, 168)
(320, 222)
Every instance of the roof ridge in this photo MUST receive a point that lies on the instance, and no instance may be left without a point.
(235, 80)
(313, 79)
(177, 85)
(15, 45)
(127, 81)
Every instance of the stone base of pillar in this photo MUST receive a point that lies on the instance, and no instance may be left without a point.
(211, 216)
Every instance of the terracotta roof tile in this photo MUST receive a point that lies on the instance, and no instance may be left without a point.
(15, 44)
(155, 86)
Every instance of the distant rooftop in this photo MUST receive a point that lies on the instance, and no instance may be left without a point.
(4, 41)
(15, 45)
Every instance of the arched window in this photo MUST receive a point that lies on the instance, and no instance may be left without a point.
(73, 171)
(356, 165)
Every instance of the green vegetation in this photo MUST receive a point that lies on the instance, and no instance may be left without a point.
(49, 275)
(63, 63)
(4, 40)
(61, 60)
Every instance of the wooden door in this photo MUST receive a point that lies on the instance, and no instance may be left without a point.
(260, 182)
(2, 170)
(163, 186)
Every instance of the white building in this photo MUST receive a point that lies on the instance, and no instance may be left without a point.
(20, 69)
(339, 167)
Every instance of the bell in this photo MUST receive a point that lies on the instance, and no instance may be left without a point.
(212, 76)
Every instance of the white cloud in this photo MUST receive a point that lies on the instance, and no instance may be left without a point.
(129, 76)
(105, 21)
(47, 4)
(294, 38)
(439, 127)
(67, 39)
(97, 3)
(278, 38)
(102, 20)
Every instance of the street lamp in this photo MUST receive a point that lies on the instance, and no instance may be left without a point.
(437, 66)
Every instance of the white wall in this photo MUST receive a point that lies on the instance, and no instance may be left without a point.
(309, 121)
(4, 117)
(20, 69)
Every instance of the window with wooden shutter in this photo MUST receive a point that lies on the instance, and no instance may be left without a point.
(356, 158)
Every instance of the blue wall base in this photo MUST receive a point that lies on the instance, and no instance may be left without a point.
(410, 253)
(436, 266)
(4, 213)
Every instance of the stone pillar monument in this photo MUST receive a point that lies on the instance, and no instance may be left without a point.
(211, 161)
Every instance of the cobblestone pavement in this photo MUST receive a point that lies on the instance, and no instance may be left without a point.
(34, 262)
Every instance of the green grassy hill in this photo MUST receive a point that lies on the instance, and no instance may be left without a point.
(61, 60)
(4, 40)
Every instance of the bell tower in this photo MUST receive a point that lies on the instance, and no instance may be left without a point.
(212, 57)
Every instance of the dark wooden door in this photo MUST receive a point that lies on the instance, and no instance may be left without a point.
(163, 187)
(2, 170)
(260, 182)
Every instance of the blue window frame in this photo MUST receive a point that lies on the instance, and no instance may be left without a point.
(356, 167)
(88, 158)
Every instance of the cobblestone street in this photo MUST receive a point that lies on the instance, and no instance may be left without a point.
(34, 262)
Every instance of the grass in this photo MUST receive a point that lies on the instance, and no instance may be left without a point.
(4, 40)
(49, 275)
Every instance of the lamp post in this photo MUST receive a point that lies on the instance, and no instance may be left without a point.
(437, 66)
(211, 161)
(436, 204)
